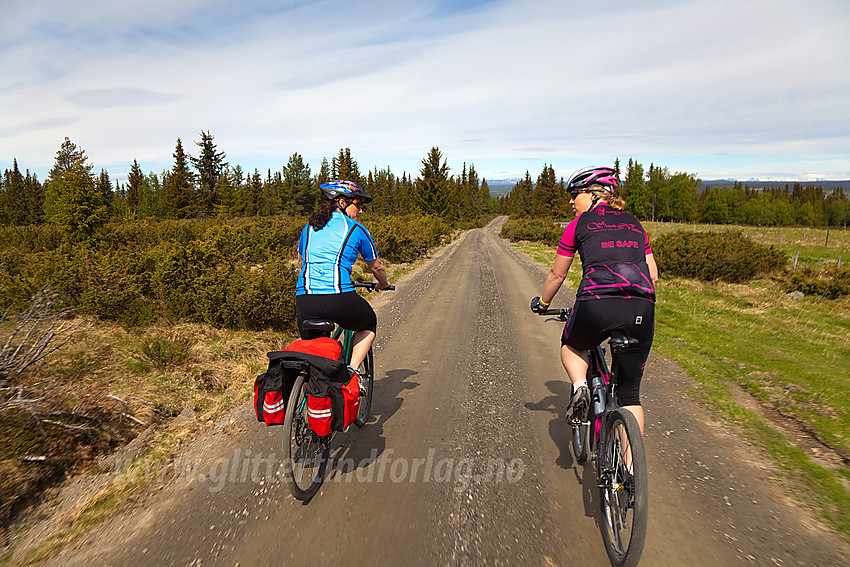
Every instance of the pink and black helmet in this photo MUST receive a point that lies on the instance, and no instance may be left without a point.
(590, 176)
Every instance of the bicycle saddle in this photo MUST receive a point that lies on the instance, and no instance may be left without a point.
(619, 339)
(322, 325)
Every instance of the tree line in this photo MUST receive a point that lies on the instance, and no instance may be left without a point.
(206, 186)
(657, 194)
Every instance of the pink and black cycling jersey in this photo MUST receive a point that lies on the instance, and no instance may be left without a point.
(613, 247)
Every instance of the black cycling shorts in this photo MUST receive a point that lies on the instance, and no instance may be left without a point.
(592, 321)
(348, 310)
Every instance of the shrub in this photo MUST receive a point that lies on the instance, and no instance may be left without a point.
(828, 283)
(406, 238)
(534, 230)
(165, 352)
(726, 256)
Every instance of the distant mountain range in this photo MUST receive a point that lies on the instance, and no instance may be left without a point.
(500, 187)
(828, 185)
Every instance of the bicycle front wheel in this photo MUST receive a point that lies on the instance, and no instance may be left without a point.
(366, 372)
(305, 453)
(624, 497)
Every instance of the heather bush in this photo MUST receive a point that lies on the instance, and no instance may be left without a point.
(827, 283)
(534, 230)
(726, 256)
(406, 238)
(233, 274)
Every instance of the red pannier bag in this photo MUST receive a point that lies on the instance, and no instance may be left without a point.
(269, 405)
(271, 392)
(320, 414)
(272, 388)
(327, 402)
(351, 396)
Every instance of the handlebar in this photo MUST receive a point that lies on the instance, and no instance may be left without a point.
(561, 314)
(372, 286)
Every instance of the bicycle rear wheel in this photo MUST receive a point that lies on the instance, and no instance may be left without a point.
(367, 383)
(305, 454)
(623, 490)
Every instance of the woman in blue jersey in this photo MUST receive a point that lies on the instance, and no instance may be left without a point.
(329, 246)
(617, 290)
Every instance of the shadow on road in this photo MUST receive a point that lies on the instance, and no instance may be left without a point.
(560, 433)
(362, 445)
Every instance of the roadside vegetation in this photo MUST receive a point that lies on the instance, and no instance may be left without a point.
(772, 361)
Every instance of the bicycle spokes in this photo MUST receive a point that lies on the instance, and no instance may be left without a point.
(623, 489)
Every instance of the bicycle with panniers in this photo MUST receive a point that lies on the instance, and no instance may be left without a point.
(307, 427)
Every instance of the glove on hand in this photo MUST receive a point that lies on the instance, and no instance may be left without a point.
(537, 305)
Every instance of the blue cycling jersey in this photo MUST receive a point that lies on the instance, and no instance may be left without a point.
(328, 254)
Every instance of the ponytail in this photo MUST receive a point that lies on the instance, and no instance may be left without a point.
(604, 194)
(321, 215)
(617, 203)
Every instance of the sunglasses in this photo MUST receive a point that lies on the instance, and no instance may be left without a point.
(357, 203)
(576, 192)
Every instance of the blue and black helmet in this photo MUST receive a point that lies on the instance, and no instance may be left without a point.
(344, 189)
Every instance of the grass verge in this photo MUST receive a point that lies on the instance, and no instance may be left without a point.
(792, 356)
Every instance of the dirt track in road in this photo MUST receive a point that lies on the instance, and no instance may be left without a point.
(466, 460)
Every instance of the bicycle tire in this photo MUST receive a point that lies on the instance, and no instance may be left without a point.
(306, 457)
(623, 494)
(367, 382)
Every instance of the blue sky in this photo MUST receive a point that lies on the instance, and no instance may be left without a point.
(719, 88)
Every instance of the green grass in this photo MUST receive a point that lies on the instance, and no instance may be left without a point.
(792, 355)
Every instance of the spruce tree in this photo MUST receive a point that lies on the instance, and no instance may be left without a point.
(297, 191)
(134, 185)
(210, 165)
(180, 199)
(16, 202)
(344, 167)
(637, 196)
(433, 184)
(79, 207)
(104, 187)
(35, 199)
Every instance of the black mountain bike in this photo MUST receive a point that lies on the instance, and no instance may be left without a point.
(609, 435)
(306, 454)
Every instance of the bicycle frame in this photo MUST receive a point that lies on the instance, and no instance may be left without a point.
(601, 393)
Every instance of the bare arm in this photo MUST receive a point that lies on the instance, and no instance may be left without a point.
(556, 277)
(653, 269)
(378, 271)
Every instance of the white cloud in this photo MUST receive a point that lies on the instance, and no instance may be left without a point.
(531, 81)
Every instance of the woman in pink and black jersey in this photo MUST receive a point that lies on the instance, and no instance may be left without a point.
(617, 290)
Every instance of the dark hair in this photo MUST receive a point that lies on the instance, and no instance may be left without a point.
(320, 217)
